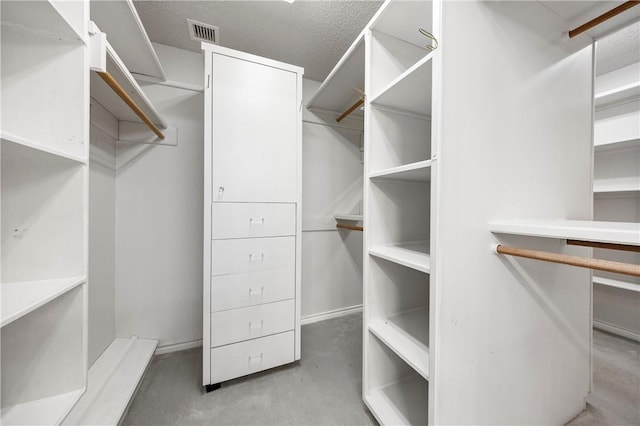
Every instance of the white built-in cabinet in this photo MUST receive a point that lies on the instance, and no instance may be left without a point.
(252, 226)
(616, 188)
(45, 146)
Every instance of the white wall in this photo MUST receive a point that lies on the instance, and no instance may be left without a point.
(331, 183)
(102, 222)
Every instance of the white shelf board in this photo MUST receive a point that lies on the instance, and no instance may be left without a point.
(336, 91)
(350, 217)
(597, 231)
(609, 282)
(628, 186)
(39, 16)
(401, 403)
(120, 21)
(616, 145)
(20, 298)
(414, 255)
(410, 91)
(22, 147)
(46, 411)
(416, 172)
(106, 97)
(619, 94)
(403, 19)
(407, 334)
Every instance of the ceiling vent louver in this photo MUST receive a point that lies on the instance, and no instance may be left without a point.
(199, 31)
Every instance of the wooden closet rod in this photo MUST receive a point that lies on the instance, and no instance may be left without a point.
(610, 246)
(604, 17)
(111, 82)
(597, 264)
(352, 227)
(350, 110)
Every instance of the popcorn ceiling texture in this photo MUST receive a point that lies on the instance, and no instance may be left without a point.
(619, 49)
(311, 34)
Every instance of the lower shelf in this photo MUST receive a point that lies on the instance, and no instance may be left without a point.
(46, 411)
(413, 255)
(625, 285)
(401, 403)
(407, 334)
(112, 382)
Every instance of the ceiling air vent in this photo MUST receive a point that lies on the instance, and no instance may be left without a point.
(203, 32)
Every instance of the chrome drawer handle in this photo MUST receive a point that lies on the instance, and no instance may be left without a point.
(251, 256)
(252, 220)
(252, 291)
(260, 324)
(255, 358)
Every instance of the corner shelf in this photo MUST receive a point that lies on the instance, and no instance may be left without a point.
(416, 172)
(400, 403)
(20, 298)
(401, 333)
(120, 20)
(40, 16)
(51, 410)
(597, 231)
(414, 255)
(25, 148)
(106, 97)
(401, 93)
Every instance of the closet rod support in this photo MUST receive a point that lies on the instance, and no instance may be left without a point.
(596, 264)
(115, 86)
(350, 110)
(610, 246)
(604, 17)
(352, 227)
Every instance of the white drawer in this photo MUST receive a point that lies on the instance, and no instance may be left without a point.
(252, 288)
(252, 254)
(243, 220)
(236, 325)
(251, 356)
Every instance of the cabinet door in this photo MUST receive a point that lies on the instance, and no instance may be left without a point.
(254, 131)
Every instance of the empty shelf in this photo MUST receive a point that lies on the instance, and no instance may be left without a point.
(417, 172)
(411, 91)
(413, 255)
(40, 16)
(609, 282)
(351, 217)
(46, 411)
(628, 185)
(604, 232)
(336, 92)
(106, 97)
(20, 298)
(616, 145)
(631, 90)
(21, 148)
(401, 403)
(407, 334)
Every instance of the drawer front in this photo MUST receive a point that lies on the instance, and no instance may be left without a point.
(252, 288)
(245, 220)
(252, 254)
(236, 325)
(251, 356)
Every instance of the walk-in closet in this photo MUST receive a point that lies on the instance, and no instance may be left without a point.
(398, 212)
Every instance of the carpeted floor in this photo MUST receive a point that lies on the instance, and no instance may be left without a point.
(325, 386)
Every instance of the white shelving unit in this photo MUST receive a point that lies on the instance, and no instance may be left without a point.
(616, 190)
(44, 150)
(446, 152)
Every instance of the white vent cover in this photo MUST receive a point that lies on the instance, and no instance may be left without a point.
(199, 31)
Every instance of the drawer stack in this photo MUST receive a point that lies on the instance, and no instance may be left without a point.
(253, 277)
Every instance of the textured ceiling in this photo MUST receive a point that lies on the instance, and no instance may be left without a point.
(311, 34)
(618, 50)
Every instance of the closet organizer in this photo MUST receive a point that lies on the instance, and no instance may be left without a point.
(252, 225)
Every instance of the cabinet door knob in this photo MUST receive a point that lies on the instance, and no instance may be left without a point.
(220, 190)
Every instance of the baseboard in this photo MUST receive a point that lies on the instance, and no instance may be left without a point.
(616, 330)
(175, 347)
(310, 319)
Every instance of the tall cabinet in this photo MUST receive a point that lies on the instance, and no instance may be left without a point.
(252, 226)
(45, 146)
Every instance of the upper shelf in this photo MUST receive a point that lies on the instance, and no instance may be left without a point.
(50, 18)
(120, 21)
(618, 94)
(336, 92)
(106, 97)
(403, 19)
(415, 172)
(627, 233)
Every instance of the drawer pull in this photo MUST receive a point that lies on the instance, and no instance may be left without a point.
(220, 190)
(255, 358)
(260, 324)
(252, 256)
(252, 291)
(252, 220)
